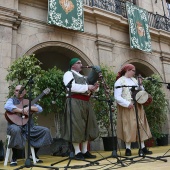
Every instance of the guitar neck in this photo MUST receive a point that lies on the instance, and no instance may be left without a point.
(37, 98)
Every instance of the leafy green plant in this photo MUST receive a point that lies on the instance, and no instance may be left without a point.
(156, 112)
(101, 107)
(21, 70)
(54, 101)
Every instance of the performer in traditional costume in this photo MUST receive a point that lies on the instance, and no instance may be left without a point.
(39, 136)
(84, 123)
(126, 115)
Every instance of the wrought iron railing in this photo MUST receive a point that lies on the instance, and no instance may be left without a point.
(119, 7)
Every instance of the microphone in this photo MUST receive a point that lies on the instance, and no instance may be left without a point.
(146, 78)
(124, 86)
(149, 78)
(87, 67)
(118, 87)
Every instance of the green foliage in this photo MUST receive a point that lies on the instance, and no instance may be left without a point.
(101, 108)
(21, 70)
(156, 112)
(52, 78)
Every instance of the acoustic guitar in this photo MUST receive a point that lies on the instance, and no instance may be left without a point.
(20, 118)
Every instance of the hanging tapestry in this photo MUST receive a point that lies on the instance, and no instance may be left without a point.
(66, 13)
(138, 28)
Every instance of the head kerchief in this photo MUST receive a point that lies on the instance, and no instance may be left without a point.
(125, 68)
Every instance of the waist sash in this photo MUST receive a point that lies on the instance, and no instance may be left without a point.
(81, 97)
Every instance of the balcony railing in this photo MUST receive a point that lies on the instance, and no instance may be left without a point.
(119, 7)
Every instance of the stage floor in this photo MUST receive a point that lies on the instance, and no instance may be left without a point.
(106, 164)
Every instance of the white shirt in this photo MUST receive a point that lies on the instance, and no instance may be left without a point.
(78, 88)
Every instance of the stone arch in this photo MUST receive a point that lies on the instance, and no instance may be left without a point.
(143, 67)
(64, 49)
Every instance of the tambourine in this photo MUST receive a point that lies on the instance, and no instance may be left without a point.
(142, 97)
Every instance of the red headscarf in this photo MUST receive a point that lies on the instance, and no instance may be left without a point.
(125, 68)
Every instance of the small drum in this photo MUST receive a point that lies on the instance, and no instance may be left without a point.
(93, 76)
(142, 97)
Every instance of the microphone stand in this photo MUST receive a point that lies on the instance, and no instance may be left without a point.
(71, 154)
(140, 153)
(28, 162)
(114, 143)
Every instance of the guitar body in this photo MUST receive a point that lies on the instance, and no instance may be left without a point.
(17, 118)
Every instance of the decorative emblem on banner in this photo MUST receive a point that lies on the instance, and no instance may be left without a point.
(67, 5)
(140, 29)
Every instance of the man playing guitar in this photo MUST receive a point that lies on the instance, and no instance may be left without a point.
(39, 136)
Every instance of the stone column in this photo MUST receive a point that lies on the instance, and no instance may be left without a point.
(165, 58)
(105, 50)
(9, 23)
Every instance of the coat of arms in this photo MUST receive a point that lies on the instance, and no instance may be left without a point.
(67, 5)
(140, 29)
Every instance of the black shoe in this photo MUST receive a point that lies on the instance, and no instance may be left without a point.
(140, 152)
(37, 159)
(79, 156)
(13, 162)
(128, 152)
(146, 151)
(88, 155)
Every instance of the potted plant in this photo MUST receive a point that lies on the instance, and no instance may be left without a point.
(156, 112)
(102, 109)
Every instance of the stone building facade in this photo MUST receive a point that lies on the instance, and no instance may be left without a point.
(24, 30)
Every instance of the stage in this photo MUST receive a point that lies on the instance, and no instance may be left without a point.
(145, 164)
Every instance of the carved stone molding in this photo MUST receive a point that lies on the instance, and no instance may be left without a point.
(165, 58)
(43, 4)
(104, 45)
(10, 17)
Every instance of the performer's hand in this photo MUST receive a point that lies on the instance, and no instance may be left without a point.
(25, 110)
(140, 80)
(130, 106)
(90, 87)
(93, 87)
(96, 85)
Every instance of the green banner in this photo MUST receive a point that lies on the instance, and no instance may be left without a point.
(138, 28)
(66, 13)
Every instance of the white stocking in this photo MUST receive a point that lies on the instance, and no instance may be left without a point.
(76, 148)
(84, 147)
(142, 144)
(128, 145)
